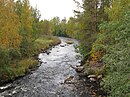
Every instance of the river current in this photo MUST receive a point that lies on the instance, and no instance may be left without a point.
(48, 79)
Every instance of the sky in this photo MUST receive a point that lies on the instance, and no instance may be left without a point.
(51, 8)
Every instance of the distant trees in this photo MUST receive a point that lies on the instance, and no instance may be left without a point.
(54, 27)
(55, 22)
(63, 27)
(73, 28)
(45, 27)
(36, 23)
(59, 26)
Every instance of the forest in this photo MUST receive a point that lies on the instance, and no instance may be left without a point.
(103, 29)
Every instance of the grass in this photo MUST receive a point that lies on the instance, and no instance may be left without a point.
(44, 43)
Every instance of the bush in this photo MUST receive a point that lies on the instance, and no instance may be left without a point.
(117, 81)
(14, 53)
(4, 57)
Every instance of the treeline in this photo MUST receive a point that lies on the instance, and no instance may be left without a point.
(103, 30)
(20, 29)
(57, 27)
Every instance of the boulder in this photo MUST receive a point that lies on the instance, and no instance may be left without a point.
(99, 77)
(62, 45)
(93, 79)
(77, 69)
(70, 80)
(92, 76)
(69, 42)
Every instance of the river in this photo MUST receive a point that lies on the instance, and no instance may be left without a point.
(48, 79)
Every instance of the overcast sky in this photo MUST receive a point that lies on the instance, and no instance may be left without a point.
(51, 8)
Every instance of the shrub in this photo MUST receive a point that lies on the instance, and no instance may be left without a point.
(14, 53)
(117, 81)
(4, 57)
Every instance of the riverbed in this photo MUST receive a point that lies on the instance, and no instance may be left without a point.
(48, 80)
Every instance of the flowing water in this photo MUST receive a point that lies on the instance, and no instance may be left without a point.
(48, 79)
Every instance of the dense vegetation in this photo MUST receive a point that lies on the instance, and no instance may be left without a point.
(58, 27)
(21, 38)
(104, 27)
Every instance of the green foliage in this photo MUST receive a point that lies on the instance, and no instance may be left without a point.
(111, 43)
(72, 28)
(116, 42)
(26, 18)
(25, 48)
(53, 27)
(60, 28)
(45, 27)
(36, 25)
(88, 22)
(83, 50)
(4, 57)
(14, 54)
(10, 73)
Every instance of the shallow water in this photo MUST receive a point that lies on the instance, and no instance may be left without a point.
(48, 79)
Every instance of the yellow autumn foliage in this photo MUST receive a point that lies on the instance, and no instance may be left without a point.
(9, 25)
(96, 56)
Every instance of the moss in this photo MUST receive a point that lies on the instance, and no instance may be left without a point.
(69, 42)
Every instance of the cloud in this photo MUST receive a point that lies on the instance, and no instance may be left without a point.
(51, 8)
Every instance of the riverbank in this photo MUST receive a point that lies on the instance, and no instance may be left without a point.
(54, 77)
(21, 67)
(91, 82)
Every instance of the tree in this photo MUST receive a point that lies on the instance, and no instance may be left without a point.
(36, 23)
(10, 39)
(102, 15)
(88, 24)
(72, 27)
(89, 20)
(55, 25)
(9, 25)
(24, 12)
(63, 26)
(45, 27)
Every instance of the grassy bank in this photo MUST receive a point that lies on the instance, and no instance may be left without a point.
(45, 43)
(10, 69)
